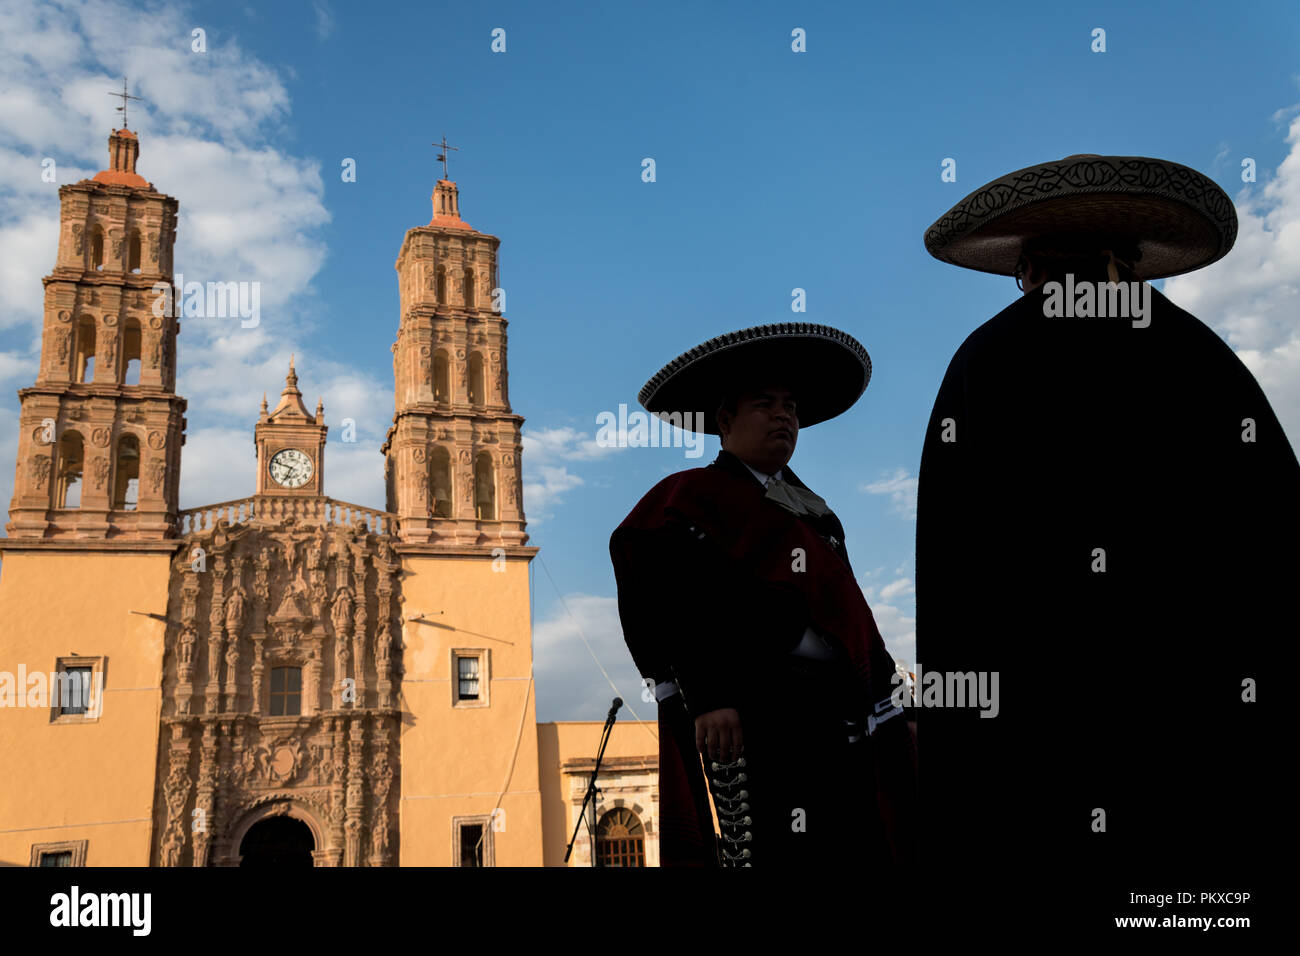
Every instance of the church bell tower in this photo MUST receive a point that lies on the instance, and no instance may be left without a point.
(453, 469)
(101, 429)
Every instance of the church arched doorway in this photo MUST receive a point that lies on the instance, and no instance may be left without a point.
(277, 842)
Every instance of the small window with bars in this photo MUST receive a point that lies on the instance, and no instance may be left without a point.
(286, 691)
(467, 678)
(73, 691)
(471, 844)
(64, 853)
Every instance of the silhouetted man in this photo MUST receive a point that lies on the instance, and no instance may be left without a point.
(1107, 517)
(739, 604)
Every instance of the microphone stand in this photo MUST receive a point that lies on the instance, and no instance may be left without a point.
(591, 788)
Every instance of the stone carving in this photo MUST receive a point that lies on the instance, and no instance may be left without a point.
(185, 650)
(341, 612)
(157, 472)
(39, 469)
(236, 605)
(99, 436)
(101, 469)
(78, 241)
(232, 668)
(157, 440)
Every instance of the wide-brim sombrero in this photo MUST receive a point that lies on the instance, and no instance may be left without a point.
(825, 369)
(1177, 219)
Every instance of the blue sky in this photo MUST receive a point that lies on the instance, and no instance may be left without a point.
(775, 170)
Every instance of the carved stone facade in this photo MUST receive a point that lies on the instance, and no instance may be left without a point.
(118, 444)
(454, 470)
(245, 600)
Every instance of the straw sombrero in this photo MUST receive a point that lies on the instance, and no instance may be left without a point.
(1175, 218)
(826, 370)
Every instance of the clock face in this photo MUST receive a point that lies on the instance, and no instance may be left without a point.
(290, 468)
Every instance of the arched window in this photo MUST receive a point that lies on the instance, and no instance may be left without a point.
(131, 352)
(441, 377)
(440, 482)
(126, 476)
(97, 248)
(286, 691)
(485, 489)
(85, 356)
(133, 254)
(442, 285)
(620, 839)
(469, 288)
(72, 461)
(476, 379)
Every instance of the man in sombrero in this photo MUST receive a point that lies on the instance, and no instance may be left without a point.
(739, 605)
(1107, 517)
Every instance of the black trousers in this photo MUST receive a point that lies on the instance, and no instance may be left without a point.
(812, 793)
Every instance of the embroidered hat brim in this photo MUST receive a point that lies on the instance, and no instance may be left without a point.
(1177, 219)
(825, 369)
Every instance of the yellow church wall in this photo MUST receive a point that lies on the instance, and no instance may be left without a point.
(456, 758)
(91, 780)
(567, 740)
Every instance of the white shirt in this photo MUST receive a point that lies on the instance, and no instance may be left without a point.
(762, 478)
(812, 644)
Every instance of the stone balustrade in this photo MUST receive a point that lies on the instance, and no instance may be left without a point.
(275, 508)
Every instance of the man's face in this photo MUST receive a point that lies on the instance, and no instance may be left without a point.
(764, 430)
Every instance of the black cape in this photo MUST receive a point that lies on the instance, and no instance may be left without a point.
(1120, 691)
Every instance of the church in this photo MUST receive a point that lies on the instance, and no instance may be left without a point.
(284, 679)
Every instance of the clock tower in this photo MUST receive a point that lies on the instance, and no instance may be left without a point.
(290, 444)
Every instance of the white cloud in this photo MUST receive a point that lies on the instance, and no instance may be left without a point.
(17, 368)
(547, 454)
(544, 487)
(896, 587)
(569, 684)
(893, 605)
(563, 444)
(1252, 296)
(901, 488)
(324, 19)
